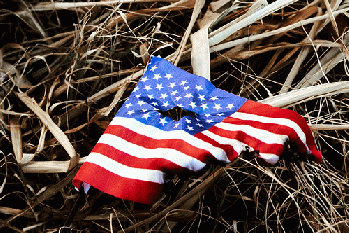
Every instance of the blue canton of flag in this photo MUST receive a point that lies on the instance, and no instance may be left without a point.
(164, 86)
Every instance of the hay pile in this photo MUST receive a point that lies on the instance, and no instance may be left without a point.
(67, 67)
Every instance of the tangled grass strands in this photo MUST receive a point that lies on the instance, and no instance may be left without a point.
(79, 61)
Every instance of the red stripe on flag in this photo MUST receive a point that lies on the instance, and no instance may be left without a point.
(131, 189)
(151, 143)
(132, 161)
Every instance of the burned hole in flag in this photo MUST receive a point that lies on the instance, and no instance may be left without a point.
(175, 121)
(177, 113)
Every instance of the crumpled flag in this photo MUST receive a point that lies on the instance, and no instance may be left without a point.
(140, 145)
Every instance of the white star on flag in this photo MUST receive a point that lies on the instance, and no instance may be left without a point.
(203, 106)
(199, 88)
(153, 68)
(192, 104)
(141, 102)
(190, 128)
(200, 125)
(146, 116)
(147, 88)
(165, 104)
(184, 82)
(178, 98)
(157, 76)
(163, 121)
(217, 106)
(159, 86)
(168, 76)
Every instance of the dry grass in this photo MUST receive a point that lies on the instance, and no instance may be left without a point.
(66, 68)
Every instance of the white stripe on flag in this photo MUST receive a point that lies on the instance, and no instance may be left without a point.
(155, 133)
(260, 134)
(279, 121)
(236, 144)
(169, 154)
(270, 158)
(125, 171)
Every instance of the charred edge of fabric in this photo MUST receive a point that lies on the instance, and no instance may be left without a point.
(177, 113)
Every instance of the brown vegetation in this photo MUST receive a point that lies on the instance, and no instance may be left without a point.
(67, 66)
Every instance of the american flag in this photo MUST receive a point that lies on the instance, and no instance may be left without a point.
(141, 145)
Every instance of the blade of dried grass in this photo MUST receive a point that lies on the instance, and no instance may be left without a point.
(114, 87)
(255, 7)
(300, 95)
(8, 112)
(248, 39)
(48, 6)
(16, 137)
(282, 62)
(113, 74)
(42, 137)
(220, 35)
(329, 61)
(117, 97)
(62, 166)
(329, 127)
(332, 19)
(197, 9)
(241, 55)
(12, 211)
(297, 16)
(48, 166)
(215, 5)
(27, 17)
(200, 53)
(99, 95)
(178, 5)
(54, 129)
(265, 71)
(12, 72)
(302, 55)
